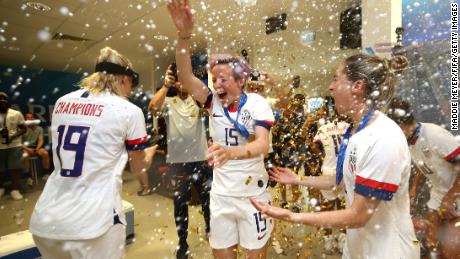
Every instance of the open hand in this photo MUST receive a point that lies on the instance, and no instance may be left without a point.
(283, 175)
(182, 17)
(272, 211)
(217, 155)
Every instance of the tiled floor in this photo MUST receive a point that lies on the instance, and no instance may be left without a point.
(155, 230)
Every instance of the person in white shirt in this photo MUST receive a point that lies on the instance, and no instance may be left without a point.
(241, 123)
(12, 127)
(186, 156)
(373, 166)
(327, 142)
(95, 131)
(436, 154)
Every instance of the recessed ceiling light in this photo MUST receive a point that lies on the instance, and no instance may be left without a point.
(160, 37)
(246, 3)
(38, 6)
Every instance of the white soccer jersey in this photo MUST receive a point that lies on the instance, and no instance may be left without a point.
(330, 136)
(433, 153)
(246, 177)
(377, 164)
(91, 135)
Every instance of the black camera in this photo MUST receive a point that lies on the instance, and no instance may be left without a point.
(172, 91)
(4, 135)
(174, 71)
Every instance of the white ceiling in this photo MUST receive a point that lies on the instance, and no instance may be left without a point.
(143, 31)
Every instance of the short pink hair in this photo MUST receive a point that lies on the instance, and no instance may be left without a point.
(240, 67)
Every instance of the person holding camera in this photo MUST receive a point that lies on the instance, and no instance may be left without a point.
(12, 128)
(186, 151)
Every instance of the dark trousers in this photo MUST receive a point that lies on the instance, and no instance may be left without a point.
(11, 161)
(185, 174)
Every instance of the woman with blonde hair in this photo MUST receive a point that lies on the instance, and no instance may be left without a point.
(373, 166)
(95, 131)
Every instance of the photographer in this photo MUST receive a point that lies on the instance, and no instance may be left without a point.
(186, 151)
(12, 127)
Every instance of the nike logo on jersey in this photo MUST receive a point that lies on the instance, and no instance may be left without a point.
(214, 115)
(262, 236)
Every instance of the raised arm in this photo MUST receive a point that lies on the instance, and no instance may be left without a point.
(159, 97)
(183, 20)
(283, 96)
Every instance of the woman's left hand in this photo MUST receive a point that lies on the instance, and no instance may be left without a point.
(272, 211)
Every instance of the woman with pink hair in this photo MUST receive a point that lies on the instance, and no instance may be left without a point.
(241, 124)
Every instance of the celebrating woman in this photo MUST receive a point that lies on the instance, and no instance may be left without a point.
(373, 166)
(241, 124)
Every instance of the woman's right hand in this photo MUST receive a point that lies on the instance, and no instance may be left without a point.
(283, 175)
(182, 17)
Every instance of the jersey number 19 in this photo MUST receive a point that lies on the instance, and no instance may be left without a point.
(78, 146)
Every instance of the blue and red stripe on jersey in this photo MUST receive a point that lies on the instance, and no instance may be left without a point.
(137, 144)
(454, 156)
(265, 124)
(375, 189)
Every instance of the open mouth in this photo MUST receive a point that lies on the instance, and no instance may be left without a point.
(221, 93)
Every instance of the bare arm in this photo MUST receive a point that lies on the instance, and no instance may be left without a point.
(159, 97)
(140, 161)
(40, 142)
(283, 97)
(183, 20)
(218, 155)
(286, 176)
(323, 182)
(356, 216)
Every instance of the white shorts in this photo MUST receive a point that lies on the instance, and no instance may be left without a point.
(235, 221)
(109, 245)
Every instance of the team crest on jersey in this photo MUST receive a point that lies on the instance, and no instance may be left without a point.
(424, 168)
(353, 160)
(245, 117)
(426, 152)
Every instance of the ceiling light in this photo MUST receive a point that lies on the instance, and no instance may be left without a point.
(246, 3)
(160, 37)
(38, 6)
(307, 37)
